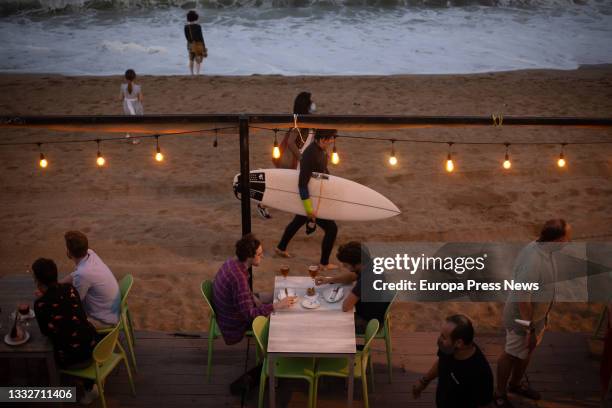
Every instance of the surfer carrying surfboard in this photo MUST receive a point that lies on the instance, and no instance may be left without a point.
(314, 159)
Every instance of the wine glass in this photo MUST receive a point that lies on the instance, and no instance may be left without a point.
(313, 270)
(284, 270)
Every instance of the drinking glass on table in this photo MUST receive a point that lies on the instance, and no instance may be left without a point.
(284, 270)
(313, 270)
(24, 313)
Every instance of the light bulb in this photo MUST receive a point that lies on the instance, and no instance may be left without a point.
(507, 163)
(393, 160)
(276, 152)
(159, 156)
(450, 166)
(43, 161)
(100, 160)
(335, 159)
(561, 161)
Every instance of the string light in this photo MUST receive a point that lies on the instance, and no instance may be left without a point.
(276, 153)
(450, 166)
(561, 162)
(507, 164)
(100, 160)
(335, 159)
(43, 163)
(392, 158)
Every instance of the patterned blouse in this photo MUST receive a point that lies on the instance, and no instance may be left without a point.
(61, 317)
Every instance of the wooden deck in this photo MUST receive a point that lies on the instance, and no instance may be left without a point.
(171, 373)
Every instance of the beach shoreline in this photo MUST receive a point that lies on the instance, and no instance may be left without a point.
(172, 225)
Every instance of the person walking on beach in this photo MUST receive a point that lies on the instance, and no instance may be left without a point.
(314, 159)
(294, 142)
(131, 95)
(464, 375)
(534, 264)
(195, 42)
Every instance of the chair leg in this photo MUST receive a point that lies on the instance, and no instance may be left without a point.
(127, 367)
(388, 346)
(130, 343)
(101, 392)
(262, 389)
(310, 393)
(211, 339)
(315, 392)
(364, 384)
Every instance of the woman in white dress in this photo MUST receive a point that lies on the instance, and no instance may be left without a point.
(131, 95)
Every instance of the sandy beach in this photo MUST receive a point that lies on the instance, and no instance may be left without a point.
(172, 225)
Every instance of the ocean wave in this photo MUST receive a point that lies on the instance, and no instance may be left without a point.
(131, 47)
(8, 7)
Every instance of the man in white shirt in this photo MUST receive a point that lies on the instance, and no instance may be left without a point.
(93, 280)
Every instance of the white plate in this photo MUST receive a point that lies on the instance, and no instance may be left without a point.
(11, 342)
(309, 304)
(337, 296)
(30, 315)
(281, 293)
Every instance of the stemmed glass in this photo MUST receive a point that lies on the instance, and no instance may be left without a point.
(284, 270)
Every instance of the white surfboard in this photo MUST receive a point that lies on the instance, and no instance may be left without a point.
(333, 198)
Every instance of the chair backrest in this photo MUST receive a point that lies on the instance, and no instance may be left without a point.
(207, 293)
(106, 346)
(388, 311)
(261, 325)
(370, 332)
(125, 285)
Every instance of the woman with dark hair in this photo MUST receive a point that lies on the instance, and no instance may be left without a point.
(295, 141)
(195, 42)
(61, 317)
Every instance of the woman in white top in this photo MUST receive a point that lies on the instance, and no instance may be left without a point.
(131, 95)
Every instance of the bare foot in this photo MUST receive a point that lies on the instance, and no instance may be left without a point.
(282, 254)
(329, 267)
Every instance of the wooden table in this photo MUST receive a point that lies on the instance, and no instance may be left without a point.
(300, 332)
(16, 289)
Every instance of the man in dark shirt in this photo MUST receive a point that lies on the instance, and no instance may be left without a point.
(353, 257)
(465, 379)
(314, 160)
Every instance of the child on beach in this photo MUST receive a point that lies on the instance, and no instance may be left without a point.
(131, 96)
(195, 42)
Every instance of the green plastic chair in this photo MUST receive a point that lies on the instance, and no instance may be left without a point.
(284, 367)
(105, 360)
(213, 329)
(339, 367)
(125, 321)
(384, 332)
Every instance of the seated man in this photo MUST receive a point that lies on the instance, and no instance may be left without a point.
(464, 375)
(350, 255)
(93, 280)
(61, 317)
(234, 302)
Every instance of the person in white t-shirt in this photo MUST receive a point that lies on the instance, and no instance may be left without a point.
(94, 281)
